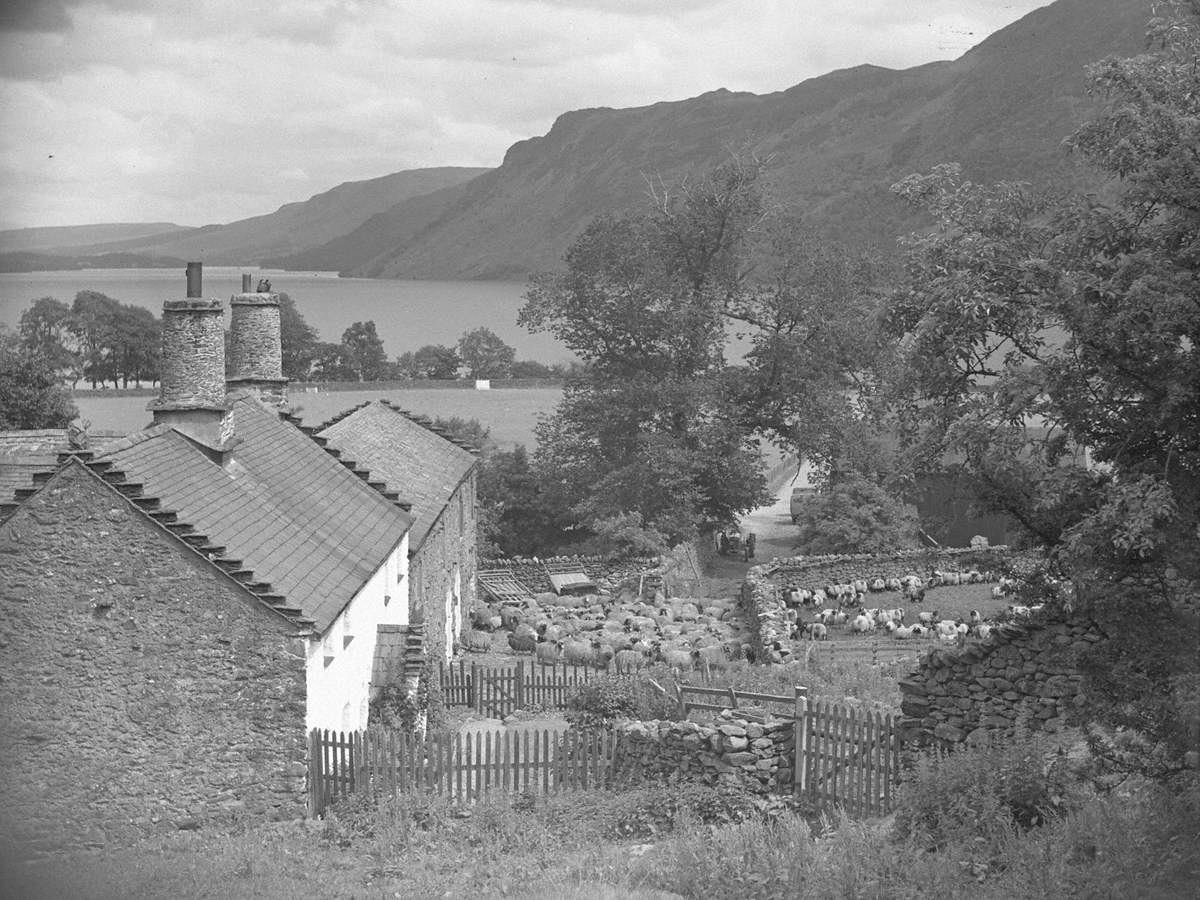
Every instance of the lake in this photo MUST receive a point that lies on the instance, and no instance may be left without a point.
(407, 314)
(509, 413)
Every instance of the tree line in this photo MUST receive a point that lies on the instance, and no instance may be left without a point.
(1039, 345)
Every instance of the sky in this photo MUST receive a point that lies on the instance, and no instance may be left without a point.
(208, 111)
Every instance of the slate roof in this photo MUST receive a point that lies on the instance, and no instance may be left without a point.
(400, 449)
(291, 512)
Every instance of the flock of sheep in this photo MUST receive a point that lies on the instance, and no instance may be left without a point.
(624, 637)
(815, 613)
(707, 635)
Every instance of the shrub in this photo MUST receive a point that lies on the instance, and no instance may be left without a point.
(608, 698)
(989, 792)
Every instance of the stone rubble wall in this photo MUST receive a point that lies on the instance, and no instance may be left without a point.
(1023, 671)
(729, 752)
(140, 691)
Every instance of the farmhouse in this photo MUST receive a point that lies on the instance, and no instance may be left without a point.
(437, 477)
(180, 605)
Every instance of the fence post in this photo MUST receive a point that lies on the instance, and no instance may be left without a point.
(314, 775)
(800, 742)
(520, 686)
(476, 694)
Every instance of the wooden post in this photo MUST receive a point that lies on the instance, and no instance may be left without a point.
(519, 692)
(476, 696)
(800, 742)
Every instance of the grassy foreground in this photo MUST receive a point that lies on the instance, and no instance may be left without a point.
(988, 823)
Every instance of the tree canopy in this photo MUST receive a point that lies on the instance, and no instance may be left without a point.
(485, 355)
(31, 393)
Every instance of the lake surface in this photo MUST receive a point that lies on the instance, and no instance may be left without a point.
(407, 314)
(510, 414)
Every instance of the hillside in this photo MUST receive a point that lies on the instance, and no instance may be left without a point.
(294, 226)
(34, 240)
(838, 142)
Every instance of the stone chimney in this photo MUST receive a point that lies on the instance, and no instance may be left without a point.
(192, 397)
(255, 353)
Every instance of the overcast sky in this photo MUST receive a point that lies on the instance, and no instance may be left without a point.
(202, 111)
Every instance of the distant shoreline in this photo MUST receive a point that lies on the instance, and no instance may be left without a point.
(321, 387)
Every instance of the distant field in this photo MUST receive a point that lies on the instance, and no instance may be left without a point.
(510, 413)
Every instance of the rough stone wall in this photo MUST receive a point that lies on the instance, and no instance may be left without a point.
(139, 690)
(193, 355)
(449, 543)
(729, 751)
(1022, 671)
(761, 596)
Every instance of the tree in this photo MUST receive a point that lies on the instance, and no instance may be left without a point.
(298, 340)
(94, 324)
(331, 363)
(485, 355)
(136, 344)
(30, 394)
(432, 361)
(1051, 346)
(364, 351)
(855, 515)
(46, 332)
(648, 426)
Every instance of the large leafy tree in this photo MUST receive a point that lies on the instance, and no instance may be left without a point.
(1050, 345)
(30, 393)
(298, 340)
(649, 426)
(485, 354)
(45, 330)
(94, 324)
(364, 351)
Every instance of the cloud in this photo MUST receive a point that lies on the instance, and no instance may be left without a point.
(200, 111)
(35, 15)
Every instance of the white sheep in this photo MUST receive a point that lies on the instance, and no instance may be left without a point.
(547, 652)
(578, 653)
(862, 624)
(629, 662)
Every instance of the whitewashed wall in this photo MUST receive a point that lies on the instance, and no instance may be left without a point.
(338, 670)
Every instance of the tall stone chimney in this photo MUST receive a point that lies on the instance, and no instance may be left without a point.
(255, 352)
(192, 397)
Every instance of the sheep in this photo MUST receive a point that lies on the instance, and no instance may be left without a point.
(816, 631)
(577, 653)
(928, 618)
(522, 643)
(524, 629)
(878, 585)
(903, 632)
(708, 659)
(860, 586)
(602, 654)
(510, 618)
(975, 618)
(983, 630)
(679, 661)
(862, 624)
(477, 641)
(629, 662)
(917, 630)
(547, 652)
(549, 632)
(892, 584)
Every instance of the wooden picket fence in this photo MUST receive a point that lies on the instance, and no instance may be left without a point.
(384, 763)
(498, 691)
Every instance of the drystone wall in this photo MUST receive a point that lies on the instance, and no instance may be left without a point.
(610, 575)
(762, 601)
(729, 751)
(141, 690)
(1025, 672)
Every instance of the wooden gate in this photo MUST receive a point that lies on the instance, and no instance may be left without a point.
(847, 757)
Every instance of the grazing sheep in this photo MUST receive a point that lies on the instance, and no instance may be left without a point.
(878, 585)
(679, 661)
(892, 584)
(510, 618)
(904, 632)
(710, 659)
(860, 586)
(918, 630)
(602, 654)
(477, 641)
(983, 630)
(547, 652)
(522, 643)
(928, 618)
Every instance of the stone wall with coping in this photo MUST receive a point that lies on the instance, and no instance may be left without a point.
(1024, 671)
(729, 752)
(140, 690)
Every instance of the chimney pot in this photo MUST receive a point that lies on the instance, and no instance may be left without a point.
(245, 282)
(195, 277)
